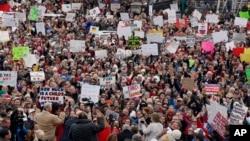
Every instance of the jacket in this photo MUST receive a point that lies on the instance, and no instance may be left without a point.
(126, 134)
(152, 131)
(67, 125)
(47, 122)
(86, 130)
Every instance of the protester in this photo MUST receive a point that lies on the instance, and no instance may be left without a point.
(90, 129)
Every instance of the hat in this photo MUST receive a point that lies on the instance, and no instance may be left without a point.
(176, 134)
(31, 110)
(199, 131)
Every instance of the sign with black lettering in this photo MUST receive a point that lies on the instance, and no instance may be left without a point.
(49, 95)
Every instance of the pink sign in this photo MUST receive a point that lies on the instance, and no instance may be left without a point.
(207, 46)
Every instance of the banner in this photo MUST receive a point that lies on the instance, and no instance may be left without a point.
(132, 91)
(238, 114)
(212, 88)
(91, 92)
(49, 95)
(107, 82)
(19, 52)
(37, 76)
(8, 78)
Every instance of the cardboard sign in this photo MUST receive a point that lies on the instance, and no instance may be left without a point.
(49, 95)
(188, 83)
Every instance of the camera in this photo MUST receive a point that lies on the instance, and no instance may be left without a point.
(88, 102)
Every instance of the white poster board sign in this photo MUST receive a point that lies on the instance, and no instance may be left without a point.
(40, 27)
(49, 95)
(77, 45)
(8, 78)
(37, 76)
(132, 91)
(91, 92)
(149, 49)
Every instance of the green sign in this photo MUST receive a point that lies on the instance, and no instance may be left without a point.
(248, 73)
(34, 14)
(134, 42)
(244, 15)
(19, 52)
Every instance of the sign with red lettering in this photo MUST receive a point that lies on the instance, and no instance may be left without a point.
(37, 76)
(219, 123)
(132, 91)
(49, 95)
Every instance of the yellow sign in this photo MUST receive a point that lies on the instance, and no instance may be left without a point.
(245, 57)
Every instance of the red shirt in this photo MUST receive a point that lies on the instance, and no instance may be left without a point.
(103, 135)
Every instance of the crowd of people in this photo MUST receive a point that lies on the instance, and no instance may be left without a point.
(165, 109)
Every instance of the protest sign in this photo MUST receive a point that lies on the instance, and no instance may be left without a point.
(91, 92)
(190, 40)
(34, 14)
(99, 54)
(140, 34)
(77, 45)
(94, 12)
(220, 37)
(174, 7)
(230, 45)
(158, 20)
(66, 7)
(240, 22)
(150, 49)
(172, 46)
(132, 91)
(70, 17)
(197, 14)
(207, 46)
(172, 16)
(37, 76)
(244, 14)
(217, 116)
(245, 57)
(30, 60)
(241, 37)
(212, 18)
(188, 83)
(4, 36)
(248, 73)
(40, 27)
(155, 36)
(19, 52)
(134, 42)
(124, 31)
(76, 6)
(238, 114)
(114, 6)
(111, 115)
(8, 78)
(49, 95)
(21, 16)
(42, 10)
(138, 23)
(107, 82)
(13, 22)
(124, 16)
(93, 29)
(212, 88)
(202, 29)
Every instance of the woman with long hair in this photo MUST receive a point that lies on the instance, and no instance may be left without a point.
(112, 137)
(104, 134)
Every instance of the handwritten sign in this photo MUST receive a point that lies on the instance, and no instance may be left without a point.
(37, 76)
(132, 91)
(77, 45)
(134, 42)
(238, 114)
(8, 78)
(107, 82)
(34, 14)
(91, 92)
(19, 52)
(49, 95)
